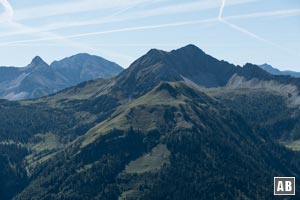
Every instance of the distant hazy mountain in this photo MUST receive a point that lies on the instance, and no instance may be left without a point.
(39, 79)
(275, 71)
(84, 67)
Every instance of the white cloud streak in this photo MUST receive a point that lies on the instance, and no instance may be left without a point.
(8, 18)
(72, 7)
(66, 40)
(166, 10)
(127, 29)
(279, 13)
(63, 25)
(101, 44)
(221, 10)
(8, 13)
(113, 19)
(42, 34)
(185, 8)
(247, 32)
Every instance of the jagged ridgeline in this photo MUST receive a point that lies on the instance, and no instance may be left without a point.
(174, 125)
(40, 79)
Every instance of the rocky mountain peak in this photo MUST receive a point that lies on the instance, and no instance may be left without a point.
(38, 62)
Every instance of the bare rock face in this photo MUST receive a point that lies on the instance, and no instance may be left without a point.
(40, 79)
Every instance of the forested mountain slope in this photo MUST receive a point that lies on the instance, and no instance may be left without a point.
(174, 125)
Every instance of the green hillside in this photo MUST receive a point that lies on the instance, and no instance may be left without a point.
(168, 127)
(181, 146)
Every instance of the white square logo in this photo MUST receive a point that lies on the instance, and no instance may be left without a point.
(284, 185)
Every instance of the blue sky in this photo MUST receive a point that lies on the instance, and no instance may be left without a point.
(239, 31)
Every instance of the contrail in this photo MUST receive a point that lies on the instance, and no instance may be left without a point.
(249, 33)
(280, 13)
(127, 29)
(152, 12)
(242, 30)
(8, 11)
(110, 19)
(221, 10)
(8, 17)
(238, 28)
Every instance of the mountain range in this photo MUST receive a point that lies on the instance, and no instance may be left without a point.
(40, 79)
(275, 71)
(174, 125)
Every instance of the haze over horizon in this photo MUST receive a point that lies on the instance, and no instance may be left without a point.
(238, 31)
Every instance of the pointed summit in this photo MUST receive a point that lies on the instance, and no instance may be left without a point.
(270, 69)
(275, 71)
(190, 49)
(38, 62)
(188, 63)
